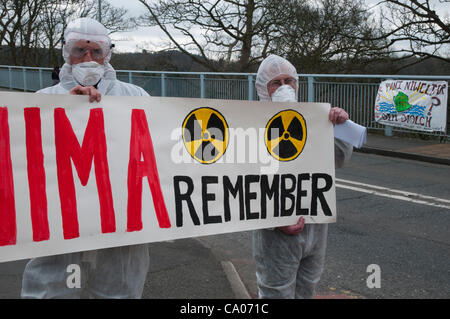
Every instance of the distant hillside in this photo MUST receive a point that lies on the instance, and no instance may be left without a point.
(178, 61)
(156, 61)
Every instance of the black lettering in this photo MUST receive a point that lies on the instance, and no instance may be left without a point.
(249, 179)
(301, 193)
(271, 192)
(317, 193)
(206, 197)
(286, 193)
(179, 198)
(235, 190)
(407, 85)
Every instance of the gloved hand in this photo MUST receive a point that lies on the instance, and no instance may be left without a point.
(293, 229)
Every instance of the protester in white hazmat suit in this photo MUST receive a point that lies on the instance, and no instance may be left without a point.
(290, 260)
(107, 273)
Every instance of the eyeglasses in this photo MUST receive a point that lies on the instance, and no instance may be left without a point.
(279, 82)
(96, 53)
(79, 48)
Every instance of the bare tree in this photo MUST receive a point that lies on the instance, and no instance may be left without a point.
(416, 29)
(328, 35)
(26, 27)
(214, 30)
(19, 22)
(113, 18)
(9, 13)
(54, 18)
(245, 31)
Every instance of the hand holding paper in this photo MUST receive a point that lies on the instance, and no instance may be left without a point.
(351, 132)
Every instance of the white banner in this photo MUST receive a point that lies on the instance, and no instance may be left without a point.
(78, 176)
(417, 105)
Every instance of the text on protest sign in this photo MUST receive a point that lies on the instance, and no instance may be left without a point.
(417, 105)
(79, 176)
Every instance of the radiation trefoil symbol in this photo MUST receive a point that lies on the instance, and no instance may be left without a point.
(285, 135)
(205, 135)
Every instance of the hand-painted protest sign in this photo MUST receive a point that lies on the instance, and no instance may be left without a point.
(417, 105)
(78, 176)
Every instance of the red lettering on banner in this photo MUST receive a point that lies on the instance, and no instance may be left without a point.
(141, 145)
(36, 174)
(92, 149)
(8, 228)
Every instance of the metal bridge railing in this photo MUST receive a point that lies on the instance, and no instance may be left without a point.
(354, 93)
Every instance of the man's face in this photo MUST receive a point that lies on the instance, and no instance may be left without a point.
(86, 51)
(280, 80)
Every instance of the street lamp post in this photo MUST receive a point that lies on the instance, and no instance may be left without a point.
(99, 17)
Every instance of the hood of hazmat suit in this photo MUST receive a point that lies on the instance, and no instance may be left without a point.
(89, 30)
(270, 68)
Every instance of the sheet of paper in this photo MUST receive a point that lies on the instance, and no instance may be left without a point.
(351, 132)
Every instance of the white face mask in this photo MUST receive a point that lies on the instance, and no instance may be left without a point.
(88, 73)
(284, 93)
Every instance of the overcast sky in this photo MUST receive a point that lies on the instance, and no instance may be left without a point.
(136, 40)
(154, 39)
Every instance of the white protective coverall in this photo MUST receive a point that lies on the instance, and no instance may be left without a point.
(118, 272)
(290, 266)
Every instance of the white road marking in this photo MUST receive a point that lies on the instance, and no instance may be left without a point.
(393, 193)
